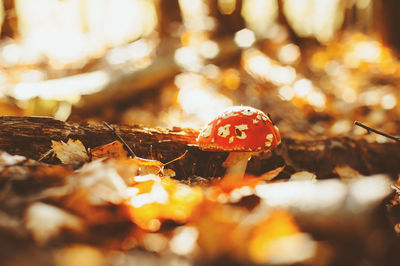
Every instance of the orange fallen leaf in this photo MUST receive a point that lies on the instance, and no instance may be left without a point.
(227, 185)
(221, 190)
(263, 236)
(154, 199)
(219, 229)
(114, 149)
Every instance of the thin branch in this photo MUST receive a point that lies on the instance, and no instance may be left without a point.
(369, 129)
(47, 154)
(176, 159)
(121, 139)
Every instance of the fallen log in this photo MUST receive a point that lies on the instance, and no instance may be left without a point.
(31, 137)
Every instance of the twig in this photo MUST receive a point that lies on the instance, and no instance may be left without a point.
(121, 139)
(47, 154)
(369, 129)
(176, 159)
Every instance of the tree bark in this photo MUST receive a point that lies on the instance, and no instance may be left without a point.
(9, 27)
(31, 137)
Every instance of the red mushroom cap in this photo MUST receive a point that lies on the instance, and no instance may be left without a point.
(239, 128)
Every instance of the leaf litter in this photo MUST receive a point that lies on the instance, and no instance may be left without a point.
(207, 218)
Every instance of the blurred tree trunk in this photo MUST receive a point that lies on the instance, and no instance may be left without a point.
(359, 18)
(283, 21)
(10, 24)
(169, 15)
(228, 24)
(387, 21)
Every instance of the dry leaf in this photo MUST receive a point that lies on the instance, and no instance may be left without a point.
(94, 188)
(272, 174)
(153, 199)
(147, 166)
(303, 176)
(227, 185)
(263, 246)
(71, 152)
(114, 149)
(45, 221)
(168, 173)
(102, 183)
(8, 159)
(346, 173)
(221, 229)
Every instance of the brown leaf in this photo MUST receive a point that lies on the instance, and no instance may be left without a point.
(71, 152)
(272, 174)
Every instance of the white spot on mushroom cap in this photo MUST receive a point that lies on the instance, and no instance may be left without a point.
(226, 115)
(236, 110)
(255, 121)
(231, 139)
(249, 111)
(269, 139)
(205, 133)
(264, 118)
(241, 128)
(224, 131)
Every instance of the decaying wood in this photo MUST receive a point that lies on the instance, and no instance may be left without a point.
(31, 137)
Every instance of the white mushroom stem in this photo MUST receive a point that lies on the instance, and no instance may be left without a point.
(236, 164)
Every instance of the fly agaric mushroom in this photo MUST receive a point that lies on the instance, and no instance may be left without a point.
(243, 131)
